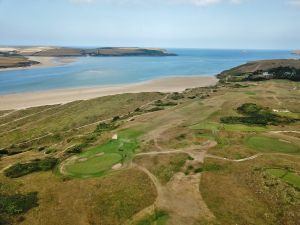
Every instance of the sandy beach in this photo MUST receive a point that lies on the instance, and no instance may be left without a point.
(171, 84)
(44, 62)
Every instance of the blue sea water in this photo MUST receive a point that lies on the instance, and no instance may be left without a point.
(91, 71)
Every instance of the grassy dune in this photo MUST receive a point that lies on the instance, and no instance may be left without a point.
(234, 189)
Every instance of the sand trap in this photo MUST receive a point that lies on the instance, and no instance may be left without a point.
(282, 140)
(117, 166)
(82, 159)
(171, 84)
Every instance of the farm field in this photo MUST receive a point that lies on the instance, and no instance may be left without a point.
(131, 159)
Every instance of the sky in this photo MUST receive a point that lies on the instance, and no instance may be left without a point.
(227, 24)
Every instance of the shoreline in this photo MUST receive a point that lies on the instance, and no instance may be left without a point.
(62, 96)
(44, 62)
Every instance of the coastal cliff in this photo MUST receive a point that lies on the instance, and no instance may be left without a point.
(288, 69)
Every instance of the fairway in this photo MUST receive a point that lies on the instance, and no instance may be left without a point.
(99, 160)
(267, 144)
(228, 127)
(286, 175)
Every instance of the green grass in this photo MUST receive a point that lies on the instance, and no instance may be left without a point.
(99, 160)
(243, 128)
(250, 93)
(286, 175)
(94, 165)
(206, 126)
(267, 144)
(159, 217)
(288, 114)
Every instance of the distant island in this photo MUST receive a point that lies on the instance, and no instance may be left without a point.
(288, 69)
(11, 57)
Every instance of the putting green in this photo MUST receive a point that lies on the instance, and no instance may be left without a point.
(94, 165)
(99, 160)
(286, 175)
(267, 144)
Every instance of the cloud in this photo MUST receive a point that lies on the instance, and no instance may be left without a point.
(294, 2)
(82, 1)
(189, 2)
(203, 2)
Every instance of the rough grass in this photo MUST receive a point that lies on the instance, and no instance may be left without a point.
(228, 127)
(267, 144)
(286, 175)
(243, 193)
(118, 201)
(163, 166)
(111, 200)
(37, 122)
(159, 217)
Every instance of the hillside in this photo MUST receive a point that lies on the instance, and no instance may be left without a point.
(63, 51)
(227, 154)
(264, 70)
(15, 61)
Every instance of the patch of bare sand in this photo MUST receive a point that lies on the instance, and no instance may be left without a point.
(117, 166)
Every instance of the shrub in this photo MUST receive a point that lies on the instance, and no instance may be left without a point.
(258, 115)
(18, 203)
(76, 149)
(198, 170)
(106, 126)
(22, 169)
(154, 109)
(176, 96)
(212, 167)
(116, 118)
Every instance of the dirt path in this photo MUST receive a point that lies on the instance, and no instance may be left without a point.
(234, 160)
(180, 197)
(285, 131)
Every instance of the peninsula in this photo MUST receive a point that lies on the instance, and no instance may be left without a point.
(13, 57)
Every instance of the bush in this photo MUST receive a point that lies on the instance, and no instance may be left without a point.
(161, 103)
(256, 115)
(198, 170)
(106, 126)
(154, 109)
(212, 167)
(176, 96)
(20, 169)
(116, 118)
(76, 149)
(18, 203)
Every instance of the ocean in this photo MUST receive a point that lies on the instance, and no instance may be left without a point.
(93, 71)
